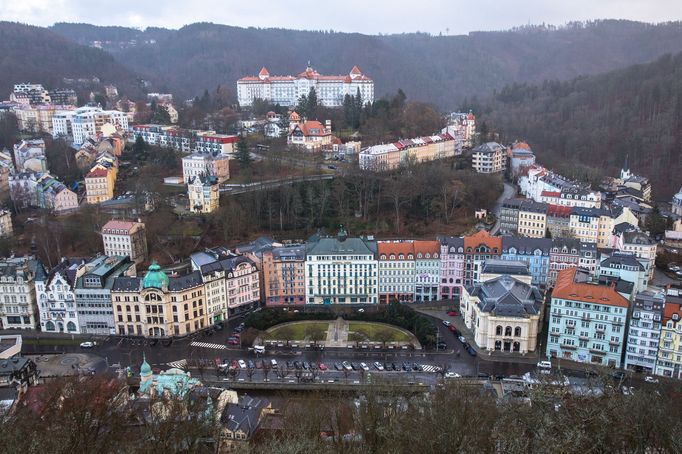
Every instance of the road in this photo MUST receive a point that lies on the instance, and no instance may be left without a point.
(233, 189)
(508, 192)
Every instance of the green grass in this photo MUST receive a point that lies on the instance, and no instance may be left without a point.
(371, 331)
(298, 330)
(52, 341)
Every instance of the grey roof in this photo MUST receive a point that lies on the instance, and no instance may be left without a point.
(488, 147)
(497, 266)
(650, 301)
(12, 365)
(257, 246)
(623, 227)
(622, 286)
(126, 284)
(637, 238)
(622, 259)
(290, 252)
(568, 243)
(335, 245)
(184, 282)
(592, 212)
(507, 297)
(226, 265)
(244, 415)
(451, 241)
(526, 246)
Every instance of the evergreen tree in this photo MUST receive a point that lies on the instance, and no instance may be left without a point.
(243, 153)
(311, 104)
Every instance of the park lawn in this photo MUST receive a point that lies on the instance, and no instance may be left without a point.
(298, 330)
(370, 330)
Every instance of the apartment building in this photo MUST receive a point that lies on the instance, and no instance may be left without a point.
(427, 270)
(489, 158)
(624, 266)
(587, 320)
(125, 238)
(644, 332)
(669, 358)
(284, 275)
(87, 122)
(535, 252)
(592, 225)
(18, 307)
(477, 249)
(203, 194)
(55, 293)
(396, 271)
(206, 164)
(565, 253)
(451, 267)
(185, 140)
(310, 135)
(386, 157)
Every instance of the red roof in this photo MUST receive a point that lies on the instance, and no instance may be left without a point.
(430, 247)
(312, 128)
(117, 224)
(566, 288)
(550, 194)
(396, 248)
(96, 173)
(669, 309)
(483, 237)
(264, 72)
(355, 70)
(559, 210)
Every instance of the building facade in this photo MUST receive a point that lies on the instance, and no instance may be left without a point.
(185, 140)
(203, 194)
(535, 252)
(477, 249)
(18, 308)
(284, 275)
(341, 270)
(287, 90)
(427, 270)
(451, 267)
(587, 321)
(669, 358)
(56, 297)
(644, 332)
(489, 158)
(386, 157)
(592, 225)
(125, 238)
(396, 271)
(206, 164)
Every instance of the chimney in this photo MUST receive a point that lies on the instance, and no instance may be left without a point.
(328, 126)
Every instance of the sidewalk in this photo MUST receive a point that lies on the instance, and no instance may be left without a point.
(485, 355)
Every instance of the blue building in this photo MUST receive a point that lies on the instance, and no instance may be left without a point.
(533, 251)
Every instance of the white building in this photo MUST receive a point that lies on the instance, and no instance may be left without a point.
(6, 229)
(57, 299)
(206, 164)
(677, 203)
(286, 90)
(644, 332)
(29, 155)
(125, 238)
(87, 121)
(18, 309)
(489, 157)
(341, 270)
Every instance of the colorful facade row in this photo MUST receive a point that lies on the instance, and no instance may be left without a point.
(386, 157)
(185, 140)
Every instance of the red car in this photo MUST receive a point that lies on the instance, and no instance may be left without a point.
(233, 342)
(322, 367)
(453, 313)
(452, 328)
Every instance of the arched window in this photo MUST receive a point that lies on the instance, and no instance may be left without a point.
(508, 331)
(49, 326)
(517, 331)
(498, 330)
(71, 327)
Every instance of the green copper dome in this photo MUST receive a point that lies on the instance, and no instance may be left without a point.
(155, 278)
(145, 368)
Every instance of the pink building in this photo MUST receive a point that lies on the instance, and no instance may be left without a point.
(451, 267)
(284, 275)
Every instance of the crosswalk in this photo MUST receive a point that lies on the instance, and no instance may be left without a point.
(208, 345)
(430, 368)
(181, 364)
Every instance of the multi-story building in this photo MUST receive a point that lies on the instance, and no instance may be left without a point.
(572, 196)
(521, 157)
(565, 253)
(87, 122)
(308, 134)
(41, 190)
(396, 271)
(29, 155)
(587, 321)
(284, 275)
(185, 140)
(589, 257)
(532, 219)
(287, 90)
(197, 164)
(676, 203)
(477, 249)
(644, 332)
(669, 358)
(490, 157)
(592, 225)
(203, 194)
(240, 280)
(56, 296)
(427, 270)
(533, 251)
(93, 293)
(559, 221)
(99, 185)
(158, 305)
(451, 267)
(462, 126)
(625, 266)
(125, 238)
(509, 215)
(385, 157)
(643, 247)
(341, 270)
(38, 118)
(18, 308)
(503, 314)
(63, 96)
(6, 229)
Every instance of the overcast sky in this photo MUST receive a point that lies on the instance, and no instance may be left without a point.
(364, 16)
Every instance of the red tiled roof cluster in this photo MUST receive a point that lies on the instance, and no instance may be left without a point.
(566, 288)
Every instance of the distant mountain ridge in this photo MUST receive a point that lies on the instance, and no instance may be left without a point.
(439, 69)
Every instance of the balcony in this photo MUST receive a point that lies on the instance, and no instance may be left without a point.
(568, 347)
(597, 352)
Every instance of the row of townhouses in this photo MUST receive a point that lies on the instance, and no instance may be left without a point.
(185, 140)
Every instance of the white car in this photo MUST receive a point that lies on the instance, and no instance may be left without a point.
(364, 366)
(650, 379)
(452, 375)
(242, 364)
(544, 365)
(88, 344)
(378, 366)
(628, 391)
(273, 363)
(446, 323)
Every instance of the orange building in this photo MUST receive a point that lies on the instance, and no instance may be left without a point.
(284, 275)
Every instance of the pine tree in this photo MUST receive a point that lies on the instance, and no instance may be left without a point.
(243, 153)
(311, 105)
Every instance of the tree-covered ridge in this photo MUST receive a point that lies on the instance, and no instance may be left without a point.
(590, 124)
(438, 69)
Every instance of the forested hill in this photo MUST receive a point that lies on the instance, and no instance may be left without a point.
(35, 54)
(438, 69)
(588, 125)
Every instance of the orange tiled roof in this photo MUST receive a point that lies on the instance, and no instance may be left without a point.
(96, 173)
(567, 288)
(313, 128)
(482, 237)
(669, 309)
(389, 247)
(431, 247)
(116, 224)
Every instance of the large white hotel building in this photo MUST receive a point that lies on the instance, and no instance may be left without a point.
(286, 90)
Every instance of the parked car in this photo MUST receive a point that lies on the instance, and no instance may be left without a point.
(394, 366)
(406, 366)
(289, 364)
(306, 365)
(471, 351)
(338, 366)
(364, 366)
(88, 344)
(462, 340)
(618, 375)
(297, 365)
(322, 366)
(544, 365)
(251, 364)
(452, 375)
(452, 328)
(650, 379)
(442, 345)
(346, 365)
(259, 364)
(416, 367)
(355, 366)
(628, 391)
(233, 341)
(273, 363)
(453, 313)
(446, 323)
(242, 364)
(378, 366)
